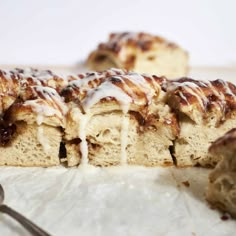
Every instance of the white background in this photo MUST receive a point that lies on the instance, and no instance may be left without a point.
(65, 31)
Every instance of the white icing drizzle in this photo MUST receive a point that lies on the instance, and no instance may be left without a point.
(184, 98)
(144, 86)
(36, 74)
(91, 79)
(39, 107)
(124, 135)
(105, 90)
(121, 39)
(215, 97)
(221, 102)
(52, 97)
(39, 119)
(48, 103)
(191, 88)
(40, 134)
(227, 88)
(83, 121)
(42, 139)
(31, 77)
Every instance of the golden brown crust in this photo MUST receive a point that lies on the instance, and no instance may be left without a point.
(79, 85)
(203, 98)
(9, 89)
(32, 77)
(41, 105)
(143, 41)
(225, 144)
(125, 88)
(33, 92)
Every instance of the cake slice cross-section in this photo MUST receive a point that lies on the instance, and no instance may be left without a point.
(38, 119)
(118, 118)
(206, 110)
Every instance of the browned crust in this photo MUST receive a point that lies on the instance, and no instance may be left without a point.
(121, 78)
(35, 77)
(72, 91)
(187, 94)
(142, 41)
(9, 89)
(226, 143)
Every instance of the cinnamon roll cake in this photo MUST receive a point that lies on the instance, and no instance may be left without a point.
(142, 53)
(113, 117)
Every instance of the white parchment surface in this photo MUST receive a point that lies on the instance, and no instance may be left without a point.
(112, 201)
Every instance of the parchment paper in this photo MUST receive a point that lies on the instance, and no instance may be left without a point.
(112, 201)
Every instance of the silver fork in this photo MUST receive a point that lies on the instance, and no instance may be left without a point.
(27, 224)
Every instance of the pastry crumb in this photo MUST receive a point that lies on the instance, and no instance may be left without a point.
(225, 216)
(186, 183)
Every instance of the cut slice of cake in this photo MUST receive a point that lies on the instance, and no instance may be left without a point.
(206, 110)
(34, 124)
(142, 53)
(118, 117)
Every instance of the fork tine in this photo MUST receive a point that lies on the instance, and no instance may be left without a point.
(1, 194)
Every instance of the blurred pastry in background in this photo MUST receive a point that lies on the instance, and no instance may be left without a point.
(142, 53)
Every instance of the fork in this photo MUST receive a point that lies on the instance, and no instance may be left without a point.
(27, 224)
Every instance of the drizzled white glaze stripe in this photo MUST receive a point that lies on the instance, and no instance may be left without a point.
(105, 90)
(208, 98)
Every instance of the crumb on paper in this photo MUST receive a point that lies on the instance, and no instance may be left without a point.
(186, 183)
(225, 216)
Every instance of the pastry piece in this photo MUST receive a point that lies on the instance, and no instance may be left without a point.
(118, 117)
(9, 89)
(142, 53)
(206, 110)
(34, 127)
(222, 181)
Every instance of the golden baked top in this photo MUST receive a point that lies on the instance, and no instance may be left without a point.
(202, 99)
(9, 89)
(142, 41)
(40, 105)
(120, 86)
(32, 96)
(31, 76)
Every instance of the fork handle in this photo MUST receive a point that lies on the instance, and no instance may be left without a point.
(27, 224)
